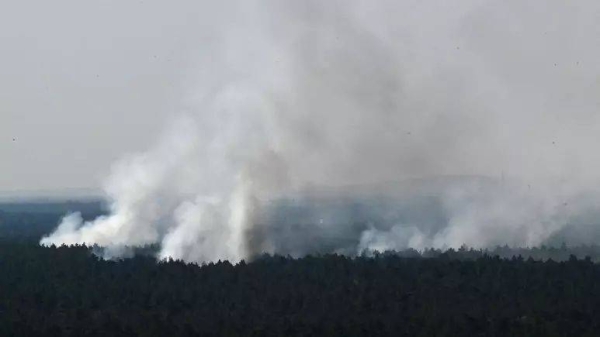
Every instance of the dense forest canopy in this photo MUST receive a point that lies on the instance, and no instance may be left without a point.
(501, 291)
(69, 291)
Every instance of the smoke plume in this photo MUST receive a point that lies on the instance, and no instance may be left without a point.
(344, 126)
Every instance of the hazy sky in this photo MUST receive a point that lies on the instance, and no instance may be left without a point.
(84, 82)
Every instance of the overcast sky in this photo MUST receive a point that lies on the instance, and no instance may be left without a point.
(84, 82)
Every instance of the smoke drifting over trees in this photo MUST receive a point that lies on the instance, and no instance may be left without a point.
(346, 126)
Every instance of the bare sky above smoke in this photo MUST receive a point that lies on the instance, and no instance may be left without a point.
(84, 84)
(278, 96)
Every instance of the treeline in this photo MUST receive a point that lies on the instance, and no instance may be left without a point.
(70, 291)
(541, 253)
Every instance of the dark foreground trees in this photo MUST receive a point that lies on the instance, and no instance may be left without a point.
(70, 292)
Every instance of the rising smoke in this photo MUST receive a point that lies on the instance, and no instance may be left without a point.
(344, 126)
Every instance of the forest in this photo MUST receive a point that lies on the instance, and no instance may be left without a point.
(72, 291)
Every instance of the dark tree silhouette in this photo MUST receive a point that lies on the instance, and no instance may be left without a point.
(69, 291)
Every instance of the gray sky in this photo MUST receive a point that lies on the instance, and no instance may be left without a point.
(84, 82)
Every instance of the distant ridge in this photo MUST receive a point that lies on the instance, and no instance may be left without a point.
(44, 196)
(406, 187)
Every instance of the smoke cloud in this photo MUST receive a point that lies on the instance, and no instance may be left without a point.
(345, 126)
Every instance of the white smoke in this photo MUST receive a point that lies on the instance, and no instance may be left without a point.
(297, 101)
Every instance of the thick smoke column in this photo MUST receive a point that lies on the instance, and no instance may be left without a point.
(484, 112)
